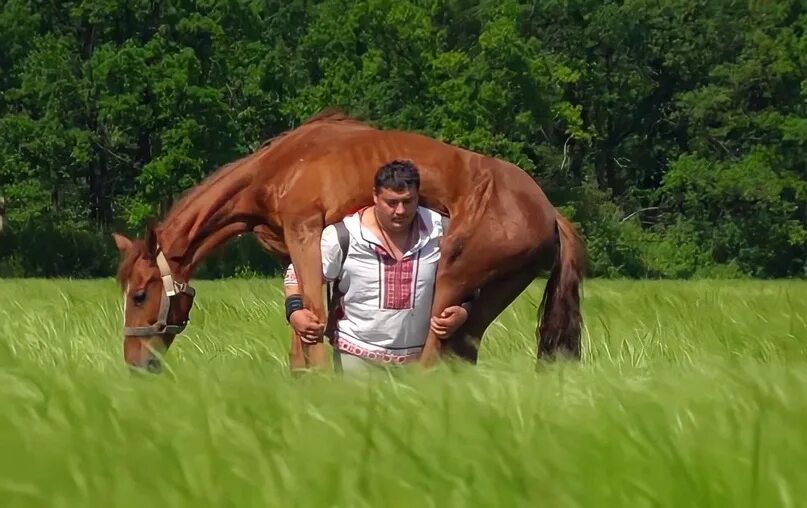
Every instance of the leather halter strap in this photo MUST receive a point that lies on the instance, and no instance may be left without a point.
(171, 287)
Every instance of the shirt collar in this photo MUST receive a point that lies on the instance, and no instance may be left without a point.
(424, 223)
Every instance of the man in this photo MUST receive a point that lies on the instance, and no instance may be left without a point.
(386, 281)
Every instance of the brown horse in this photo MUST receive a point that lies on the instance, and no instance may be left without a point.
(503, 232)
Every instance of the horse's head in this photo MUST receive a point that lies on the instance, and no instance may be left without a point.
(156, 305)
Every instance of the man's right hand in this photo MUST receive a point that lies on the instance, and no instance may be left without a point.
(307, 326)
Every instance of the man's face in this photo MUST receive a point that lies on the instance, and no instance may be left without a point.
(396, 209)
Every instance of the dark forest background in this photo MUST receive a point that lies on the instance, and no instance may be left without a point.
(673, 132)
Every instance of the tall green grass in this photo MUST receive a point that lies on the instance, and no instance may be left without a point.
(690, 394)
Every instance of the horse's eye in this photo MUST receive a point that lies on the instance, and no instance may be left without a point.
(139, 297)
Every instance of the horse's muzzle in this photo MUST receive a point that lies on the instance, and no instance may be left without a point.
(143, 353)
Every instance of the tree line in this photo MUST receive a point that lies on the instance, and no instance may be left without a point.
(674, 133)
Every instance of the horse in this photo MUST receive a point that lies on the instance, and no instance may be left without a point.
(503, 233)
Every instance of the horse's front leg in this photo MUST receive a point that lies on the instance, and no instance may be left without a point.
(303, 242)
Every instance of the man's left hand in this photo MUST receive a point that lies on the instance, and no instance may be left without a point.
(449, 321)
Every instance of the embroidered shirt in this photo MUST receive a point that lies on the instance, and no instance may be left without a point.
(385, 309)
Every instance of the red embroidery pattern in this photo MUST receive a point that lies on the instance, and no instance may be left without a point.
(398, 276)
(376, 356)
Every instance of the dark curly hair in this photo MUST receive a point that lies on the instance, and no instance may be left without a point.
(397, 175)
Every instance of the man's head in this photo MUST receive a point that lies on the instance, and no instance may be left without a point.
(396, 195)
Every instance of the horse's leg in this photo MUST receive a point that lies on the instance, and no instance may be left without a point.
(493, 300)
(303, 242)
(466, 263)
(479, 250)
(274, 245)
(297, 357)
(448, 290)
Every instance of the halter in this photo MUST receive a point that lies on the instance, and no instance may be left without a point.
(170, 288)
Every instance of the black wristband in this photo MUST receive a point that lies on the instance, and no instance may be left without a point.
(293, 303)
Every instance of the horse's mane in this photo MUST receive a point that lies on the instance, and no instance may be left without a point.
(138, 248)
(330, 114)
(190, 195)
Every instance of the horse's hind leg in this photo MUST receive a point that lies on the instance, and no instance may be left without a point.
(498, 237)
(493, 300)
(459, 274)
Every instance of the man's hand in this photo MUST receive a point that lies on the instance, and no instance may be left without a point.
(307, 326)
(449, 321)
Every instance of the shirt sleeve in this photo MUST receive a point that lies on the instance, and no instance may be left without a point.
(331, 259)
(331, 254)
(445, 223)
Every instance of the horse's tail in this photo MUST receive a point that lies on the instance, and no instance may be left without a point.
(559, 312)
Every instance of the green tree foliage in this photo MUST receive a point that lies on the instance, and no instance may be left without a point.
(674, 133)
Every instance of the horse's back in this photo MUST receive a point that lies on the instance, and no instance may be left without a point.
(340, 159)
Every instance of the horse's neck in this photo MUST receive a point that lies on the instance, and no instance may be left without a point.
(211, 216)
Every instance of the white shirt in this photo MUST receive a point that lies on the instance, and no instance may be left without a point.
(385, 309)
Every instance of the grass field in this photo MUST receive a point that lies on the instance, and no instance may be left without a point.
(690, 394)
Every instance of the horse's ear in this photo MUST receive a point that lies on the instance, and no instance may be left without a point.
(122, 242)
(151, 238)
